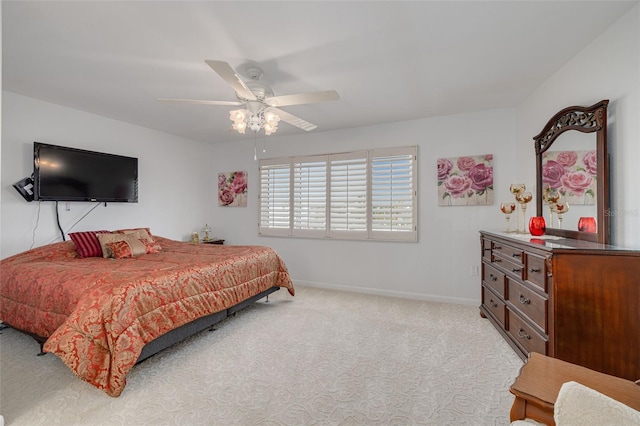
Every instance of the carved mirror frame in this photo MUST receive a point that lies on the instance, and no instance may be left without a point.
(591, 119)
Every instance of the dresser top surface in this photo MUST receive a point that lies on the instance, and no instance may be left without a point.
(551, 242)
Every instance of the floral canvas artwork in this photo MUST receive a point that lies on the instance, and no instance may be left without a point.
(232, 189)
(572, 173)
(465, 181)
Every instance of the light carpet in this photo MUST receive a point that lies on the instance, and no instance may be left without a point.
(323, 357)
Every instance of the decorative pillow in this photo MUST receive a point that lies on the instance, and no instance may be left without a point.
(133, 246)
(141, 233)
(87, 243)
(122, 249)
(130, 230)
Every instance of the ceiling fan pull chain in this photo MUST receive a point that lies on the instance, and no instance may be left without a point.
(255, 151)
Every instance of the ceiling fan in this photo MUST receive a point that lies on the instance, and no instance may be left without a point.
(261, 107)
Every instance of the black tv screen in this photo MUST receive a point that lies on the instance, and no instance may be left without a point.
(70, 174)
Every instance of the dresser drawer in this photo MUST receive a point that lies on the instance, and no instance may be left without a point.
(524, 335)
(536, 271)
(493, 278)
(528, 302)
(494, 304)
(509, 253)
(509, 266)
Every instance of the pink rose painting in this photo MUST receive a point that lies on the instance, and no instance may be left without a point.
(232, 189)
(465, 181)
(572, 173)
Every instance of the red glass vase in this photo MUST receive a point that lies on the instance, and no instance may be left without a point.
(537, 226)
(587, 224)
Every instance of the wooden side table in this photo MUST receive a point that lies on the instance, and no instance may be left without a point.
(536, 388)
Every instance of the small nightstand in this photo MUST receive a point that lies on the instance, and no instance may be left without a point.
(213, 241)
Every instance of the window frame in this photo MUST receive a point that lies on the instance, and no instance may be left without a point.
(396, 184)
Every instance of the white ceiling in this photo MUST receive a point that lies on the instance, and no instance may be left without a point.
(389, 61)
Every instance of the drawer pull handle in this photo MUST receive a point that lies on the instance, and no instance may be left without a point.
(516, 255)
(487, 249)
(522, 334)
(534, 270)
(524, 300)
(493, 304)
(493, 277)
(497, 260)
(517, 269)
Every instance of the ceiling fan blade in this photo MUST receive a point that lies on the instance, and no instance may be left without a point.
(293, 120)
(199, 102)
(302, 98)
(229, 75)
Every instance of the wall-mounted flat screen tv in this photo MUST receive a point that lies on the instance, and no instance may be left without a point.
(70, 174)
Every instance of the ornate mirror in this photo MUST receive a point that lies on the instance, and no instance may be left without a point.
(572, 173)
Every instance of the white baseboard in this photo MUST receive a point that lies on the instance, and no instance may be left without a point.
(390, 293)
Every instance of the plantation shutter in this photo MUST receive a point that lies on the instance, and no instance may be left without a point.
(355, 195)
(275, 189)
(348, 195)
(393, 194)
(310, 196)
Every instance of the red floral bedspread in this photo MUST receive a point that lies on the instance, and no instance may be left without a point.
(98, 313)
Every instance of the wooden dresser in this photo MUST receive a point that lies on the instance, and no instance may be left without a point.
(573, 300)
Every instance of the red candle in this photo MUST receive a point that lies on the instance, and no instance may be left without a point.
(587, 224)
(537, 226)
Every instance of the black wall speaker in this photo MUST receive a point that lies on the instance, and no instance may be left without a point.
(25, 188)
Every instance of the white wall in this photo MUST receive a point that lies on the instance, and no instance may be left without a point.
(178, 177)
(439, 265)
(608, 68)
(174, 193)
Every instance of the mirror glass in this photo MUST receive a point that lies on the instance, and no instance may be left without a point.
(569, 179)
(572, 173)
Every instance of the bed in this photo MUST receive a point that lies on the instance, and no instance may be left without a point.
(103, 315)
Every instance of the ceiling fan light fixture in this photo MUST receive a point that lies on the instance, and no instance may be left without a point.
(239, 118)
(243, 118)
(270, 122)
(238, 115)
(240, 127)
(271, 118)
(268, 129)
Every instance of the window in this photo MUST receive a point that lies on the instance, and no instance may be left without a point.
(356, 195)
(392, 193)
(348, 177)
(275, 197)
(310, 196)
